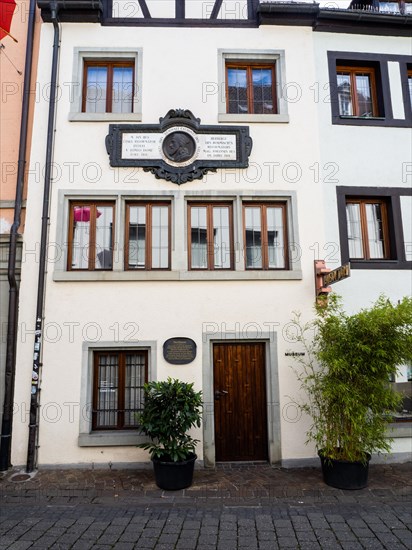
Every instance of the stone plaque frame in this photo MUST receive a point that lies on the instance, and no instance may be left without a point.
(185, 164)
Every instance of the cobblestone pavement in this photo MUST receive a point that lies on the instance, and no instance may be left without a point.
(230, 508)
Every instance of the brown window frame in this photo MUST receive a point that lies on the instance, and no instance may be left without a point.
(353, 71)
(121, 386)
(364, 227)
(110, 64)
(148, 249)
(249, 66)
(265, 253)
(209, 235)
(93, 205)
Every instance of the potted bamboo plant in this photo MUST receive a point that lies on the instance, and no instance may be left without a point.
(171, 408)
(345, 374)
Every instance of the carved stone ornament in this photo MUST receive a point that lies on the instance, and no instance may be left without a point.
(178, 149)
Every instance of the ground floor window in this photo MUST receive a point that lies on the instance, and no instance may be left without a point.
(148, 236)
(91, 236)
(265, 236)
(118, 379)
(210, 236)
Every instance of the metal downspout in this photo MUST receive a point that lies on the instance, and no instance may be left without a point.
(35, 392)
(10, 370)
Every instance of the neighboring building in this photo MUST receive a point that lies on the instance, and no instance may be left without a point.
(222, 260)
(12, 72)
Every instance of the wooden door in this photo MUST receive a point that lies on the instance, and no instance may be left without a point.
(240, 402)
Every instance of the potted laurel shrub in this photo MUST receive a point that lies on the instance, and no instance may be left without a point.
(345, 374)
(170, 409)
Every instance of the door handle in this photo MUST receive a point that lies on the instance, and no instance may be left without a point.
(219, 393)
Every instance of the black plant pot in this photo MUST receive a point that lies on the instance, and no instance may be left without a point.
(343, 474)
(173, 476)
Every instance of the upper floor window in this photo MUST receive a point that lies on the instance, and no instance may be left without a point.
(148, 236)
(357, 91)
(368, 234)
(91, 236)
(210, 236)
(118, 380)
(250, 88)
(265, 236)
(374, 224)
(108, 86)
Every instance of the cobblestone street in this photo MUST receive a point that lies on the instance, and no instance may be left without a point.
(256, 507)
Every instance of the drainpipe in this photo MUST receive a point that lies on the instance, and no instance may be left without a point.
(7, 420)
(38, 339)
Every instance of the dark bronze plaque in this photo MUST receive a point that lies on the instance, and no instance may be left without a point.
(178, 149)
(179, 351)
(179, 146)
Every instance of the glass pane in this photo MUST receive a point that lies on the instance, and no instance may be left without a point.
(104, 237)
(354, 231)
(81, 236)
(237, 91)
(96, 90)
(160, 237)
(375, 230)
(122, 98)
(198, 237)
(262, 91)
(253, 228)
(221, 237)
(275, 237)
(133, 392)
(364, 95)
(107, 391)
(137, 237)
(344, 94)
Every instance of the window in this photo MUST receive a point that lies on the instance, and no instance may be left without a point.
(118, 379)
(265, 236)
(365, 89)
(210, 236)
(374, 226)
(108, 86)
(367, 229)
(148, 236)
(357, 92)
(410, 83)
(250, 88)
(91, 236)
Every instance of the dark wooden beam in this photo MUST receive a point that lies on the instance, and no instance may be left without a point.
(180, 9)
(252, 6)
(145, 9)
(216, 9)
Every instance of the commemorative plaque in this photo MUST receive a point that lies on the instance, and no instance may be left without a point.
(179, 351)
(179, 149)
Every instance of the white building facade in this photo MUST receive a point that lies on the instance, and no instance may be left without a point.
(198, 280)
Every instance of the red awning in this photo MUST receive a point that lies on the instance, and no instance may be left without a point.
(7, 8)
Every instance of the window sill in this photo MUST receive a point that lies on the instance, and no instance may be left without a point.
(83, 276)
(353, 117)
(380, 264)
(399, 429)
(110, 439)
(226, 117)
(105, 117)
